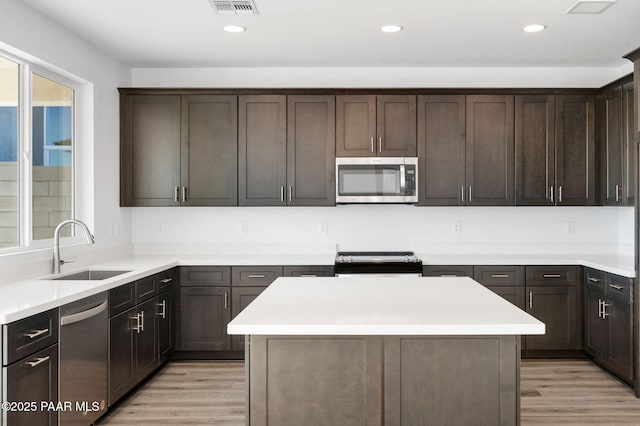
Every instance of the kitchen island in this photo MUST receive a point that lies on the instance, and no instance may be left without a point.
(373, 351)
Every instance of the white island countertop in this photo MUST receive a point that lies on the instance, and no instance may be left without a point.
(382, 306)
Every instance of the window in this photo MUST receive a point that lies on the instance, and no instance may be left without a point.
(37, 157)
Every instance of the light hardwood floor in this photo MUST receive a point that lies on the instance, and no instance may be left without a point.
(212, 393)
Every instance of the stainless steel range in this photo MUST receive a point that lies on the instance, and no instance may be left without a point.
(377, 263)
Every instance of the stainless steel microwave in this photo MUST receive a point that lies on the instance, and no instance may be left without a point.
(376, 180)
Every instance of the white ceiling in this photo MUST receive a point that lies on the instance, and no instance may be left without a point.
(345, 33)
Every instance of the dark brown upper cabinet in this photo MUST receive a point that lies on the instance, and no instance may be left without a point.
(630, 146)
(535, 150)
(575, 150)
(490, 149)
(262, 150)
(441, 150)
(150, 150)
(311, 150)
(613, 146)
(178, 150)
(369, 126)
(209, 150)
(286, 157)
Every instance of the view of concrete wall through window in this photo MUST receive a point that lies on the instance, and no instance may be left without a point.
(51, 156)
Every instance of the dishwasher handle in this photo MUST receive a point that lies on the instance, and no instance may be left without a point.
(81, 316)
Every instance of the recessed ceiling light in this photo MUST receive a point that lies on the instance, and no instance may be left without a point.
(391, 28)
(234, 29)
(534, 28)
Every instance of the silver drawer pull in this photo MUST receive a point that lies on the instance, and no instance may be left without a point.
(604, 309)
(257, 276)
(615, 286)
(309, 275)
(499, 275)
(448, 275)
(163, 313)
(166, 280)
(38, 362)
(37, 333)
(551, 276)
(594, 280)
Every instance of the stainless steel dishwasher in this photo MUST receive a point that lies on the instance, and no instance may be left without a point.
(84, 355)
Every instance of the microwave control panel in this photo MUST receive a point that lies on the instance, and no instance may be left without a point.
(410, 178)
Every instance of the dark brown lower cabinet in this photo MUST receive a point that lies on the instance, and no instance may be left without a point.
(166, 325)
(608, 322)
(240, 299)
(133, 353)
(33, 379)
(506, 281)
(204, 315)
(447, 270)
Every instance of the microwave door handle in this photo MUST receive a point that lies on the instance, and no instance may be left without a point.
(403, 180)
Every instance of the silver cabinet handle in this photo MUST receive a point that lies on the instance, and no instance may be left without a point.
(551, 193)
(469, 193)
(257, 276)
(594, 280)
(372, 148)
(309, 275)
(616, 287)
(137, 327)
(380, 144)
(290, 193)
(560, 194)
(604, 310)
(551, 276)
(163, 313)
(448, 275)
(38, 361)
(226, 300)
(166, 280)
(37, 333)
(176, 195)
(462, 194)
(184, 194)
(617, 193)
(531, 299)
(282, 194)
(599, 308)
(499, 275)
(141, 320)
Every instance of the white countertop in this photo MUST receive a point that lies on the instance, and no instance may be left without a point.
(382, 306)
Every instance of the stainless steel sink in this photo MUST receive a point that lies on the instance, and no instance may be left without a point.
(89, 275)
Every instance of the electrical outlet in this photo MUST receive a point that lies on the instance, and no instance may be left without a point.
(244, 228)
(323, 229)
(456, 227)
(114, 231)
(570, 227)
(162, 227)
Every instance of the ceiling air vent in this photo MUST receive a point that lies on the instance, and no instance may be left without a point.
(590, 6)
(234, 7)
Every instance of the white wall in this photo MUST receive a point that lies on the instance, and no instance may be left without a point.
(23, 30)
(389, 227)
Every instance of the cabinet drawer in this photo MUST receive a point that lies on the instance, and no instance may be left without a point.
(166, 279)
(552, 275)
(254, 276)
(146, 288)
(594, 279)
(205, 276)
(121, 298)
(447, 270)
(619, 287)
(27, 336)
(308, 271)
(499, 275)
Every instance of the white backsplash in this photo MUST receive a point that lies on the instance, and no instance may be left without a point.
(388, 227)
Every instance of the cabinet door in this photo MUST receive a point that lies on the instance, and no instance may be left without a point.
(613, 148)
(262, 150)
(166, 331)
(311, 145)
(33, 379)
(308, 271)
(356, 126)
(240, 299)
(122, 375)
(595, 332)
(209, 150)
(204, 315)
(535, 150)
(575, 150)
(630, 147)
(441, 150)
(555, 306)
(490, 150)
(513, 294)
(396, 125)
(620, 332)
(146, 340)
(149, 150)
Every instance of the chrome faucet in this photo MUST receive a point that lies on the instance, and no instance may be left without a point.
(57, 262)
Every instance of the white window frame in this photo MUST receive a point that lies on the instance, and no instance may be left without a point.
(24, 155)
